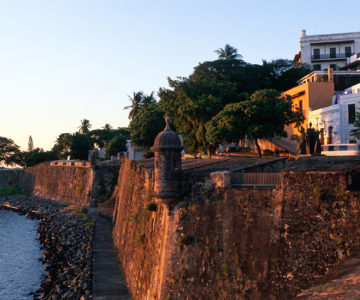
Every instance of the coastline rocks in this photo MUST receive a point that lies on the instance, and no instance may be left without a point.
(66, 241)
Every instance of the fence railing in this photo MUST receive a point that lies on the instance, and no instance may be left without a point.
(255, 179)
(331, 56)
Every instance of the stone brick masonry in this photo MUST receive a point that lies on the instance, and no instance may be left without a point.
(232, 243)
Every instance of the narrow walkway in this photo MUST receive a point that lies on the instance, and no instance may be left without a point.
(108, 281)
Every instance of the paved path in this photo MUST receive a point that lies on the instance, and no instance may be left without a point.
(108, 281)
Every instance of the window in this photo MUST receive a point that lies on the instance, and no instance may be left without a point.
(332, 52)
(351, 113)
(317, 53)
(317, 67)
(347, 51)
(301, 105)
(333, 66)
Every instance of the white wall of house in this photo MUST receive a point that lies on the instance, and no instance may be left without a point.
(337, 116)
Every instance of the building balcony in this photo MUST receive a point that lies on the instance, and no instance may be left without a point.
(331, 56)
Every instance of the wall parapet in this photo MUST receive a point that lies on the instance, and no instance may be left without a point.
(70, 163)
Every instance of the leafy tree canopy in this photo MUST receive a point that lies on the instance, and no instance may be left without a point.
(9, 151)
(145, 126)
(36, 156)
(193, 101)
(138, 101)
(103, 136)
(76, 145)
(263, 116)
(62, 146)
(117, 144)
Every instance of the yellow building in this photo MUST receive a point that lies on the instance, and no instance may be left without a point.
(313, 93)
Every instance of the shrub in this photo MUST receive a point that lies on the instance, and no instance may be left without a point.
(151, 207)
(10, 191)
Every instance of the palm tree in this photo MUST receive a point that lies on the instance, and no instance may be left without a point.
(148, 99)
(85, 126)
(135, 106)
(228, 52)
(138, 101)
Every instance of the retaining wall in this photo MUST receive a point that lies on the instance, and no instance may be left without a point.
(68, 184)
(230, 243)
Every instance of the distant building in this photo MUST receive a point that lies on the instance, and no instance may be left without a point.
(325, 51)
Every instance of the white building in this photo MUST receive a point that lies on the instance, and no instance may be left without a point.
(337, 120)
(327, 50)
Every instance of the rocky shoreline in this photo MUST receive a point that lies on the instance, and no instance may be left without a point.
(66, 241)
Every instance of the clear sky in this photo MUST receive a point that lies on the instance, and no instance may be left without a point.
(63, 61)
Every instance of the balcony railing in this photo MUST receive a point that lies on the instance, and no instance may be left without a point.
(330, 56)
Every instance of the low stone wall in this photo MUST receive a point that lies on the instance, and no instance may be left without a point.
(230, 243)
(68, 184)
(9, 177)
(66, 181)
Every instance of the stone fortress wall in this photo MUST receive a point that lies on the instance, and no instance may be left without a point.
(227, 243)
(67, 182)
(217, 241)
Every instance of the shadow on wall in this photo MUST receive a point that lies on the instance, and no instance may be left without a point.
(17, 178)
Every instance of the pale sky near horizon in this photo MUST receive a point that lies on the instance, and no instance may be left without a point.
(63, 61)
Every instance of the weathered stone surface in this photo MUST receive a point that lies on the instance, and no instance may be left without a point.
(9, 177)
(68, 184)
(235, 244)
(220, 179)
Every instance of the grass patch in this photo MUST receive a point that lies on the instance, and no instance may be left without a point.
(81, 212)
(10, 191)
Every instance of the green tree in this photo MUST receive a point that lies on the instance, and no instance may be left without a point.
(9, 151)
(228, 126)
(30, 144)
(191, 103)
(263, 116)
(138, 101)
(103, 136)
(145, 126)
(228, 52)
(116, 145)
(80, 146)
(356, 131)
(62, 146)
(280, 74)
(36, 156)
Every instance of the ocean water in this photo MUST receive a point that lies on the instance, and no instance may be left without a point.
(20, 266)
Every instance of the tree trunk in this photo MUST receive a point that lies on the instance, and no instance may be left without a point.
(257, 147)
(209, 152)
